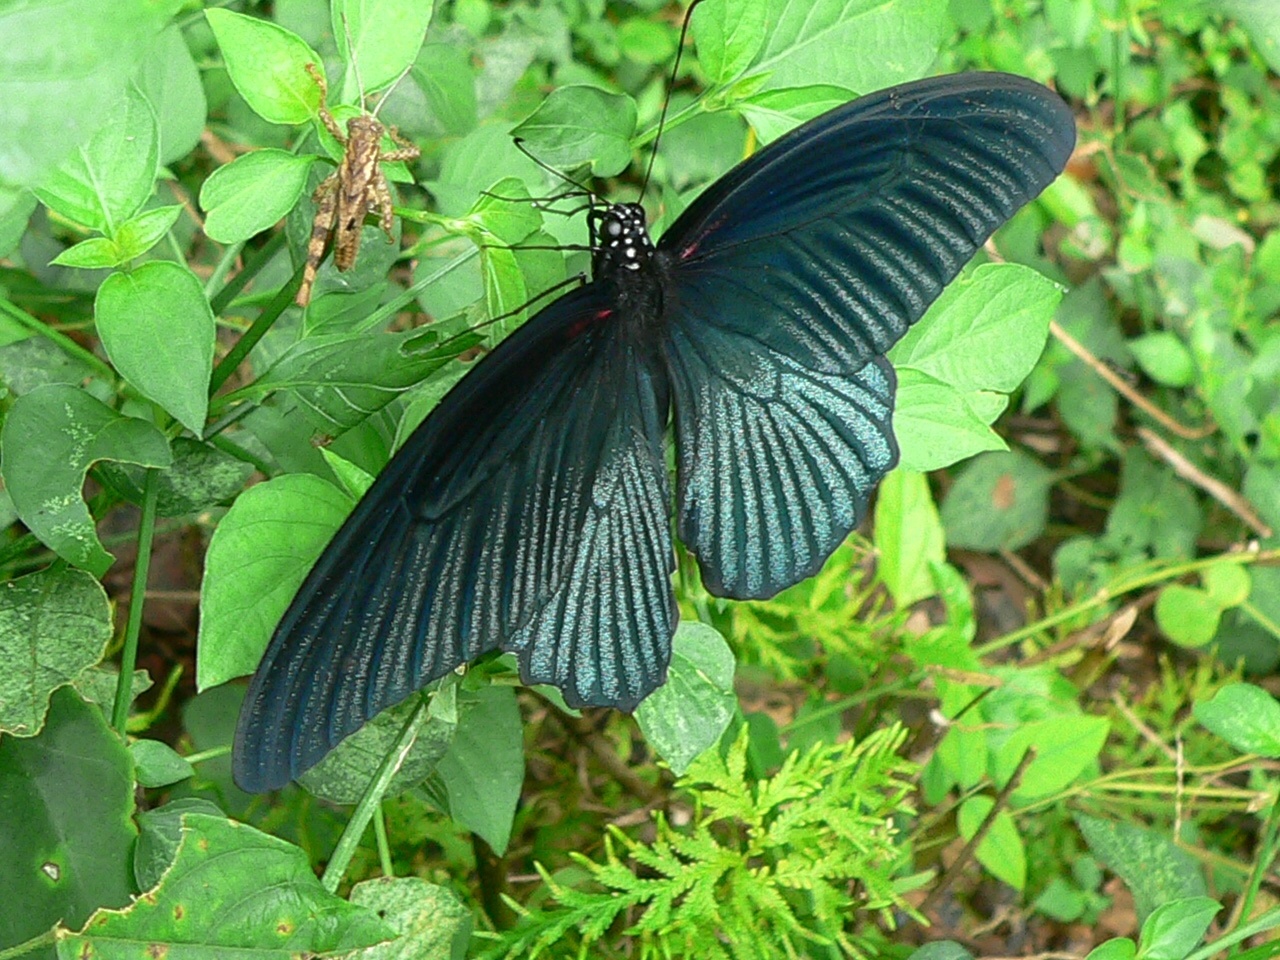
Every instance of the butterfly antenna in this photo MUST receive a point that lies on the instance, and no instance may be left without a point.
(558, 174)
(666, 104)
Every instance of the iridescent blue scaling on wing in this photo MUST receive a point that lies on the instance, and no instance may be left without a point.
(530, 511)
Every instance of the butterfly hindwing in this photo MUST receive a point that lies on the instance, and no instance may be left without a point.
(788, 279)
(496, 525)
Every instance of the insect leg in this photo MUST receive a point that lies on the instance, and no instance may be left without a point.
(326, 117)
(326, 200)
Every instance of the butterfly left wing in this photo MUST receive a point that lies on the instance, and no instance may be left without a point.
(788, 279)
(528, 512)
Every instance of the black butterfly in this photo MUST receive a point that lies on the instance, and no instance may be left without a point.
(530, 511)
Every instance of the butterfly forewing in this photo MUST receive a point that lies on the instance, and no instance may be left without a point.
(791, 274)
(498, 525)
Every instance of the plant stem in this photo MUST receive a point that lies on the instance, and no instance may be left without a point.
(222, 299)
(270, 314)
(384, 845)
(373, 794)
(141, 567)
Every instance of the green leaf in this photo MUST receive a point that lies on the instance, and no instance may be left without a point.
(985, 332)
(1119, 948)
(344, 774)
(1245, 716)
(267, 64)
(1000, 501)
(16, 207)
(1261, 20)
(110, 177)
(159, 836)
(158, 330)
(689, 713)
(171, 81)
(859, 44)
(73, 58)
(1229, 584)
(230, 888)
(50, 439)
(727, 44)
(480, 777)
(909, 537)
(577, 125)
(1175, 929)
(940, 950)
(1066, 746)
(66, 830)
(256, 560)
(54, 625)
(1188, 616)
(1001, 850)
(36, 362)
(133, 238)
(430, 920)
(774, 112)
(936, 425)
(252, 193)
(201, 477)
(385, 37)
(1154, 868)
(158, 764)
(1164, 358)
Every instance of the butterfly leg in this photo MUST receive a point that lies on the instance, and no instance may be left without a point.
(326, 201)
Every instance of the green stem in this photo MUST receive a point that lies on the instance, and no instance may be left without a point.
(270, 314)
(141, 567)
(1261, 924)
(384, 845)
(373, 794)
(222, 299)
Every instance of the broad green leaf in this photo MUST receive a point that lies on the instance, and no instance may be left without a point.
(157, 328)
(1066, 746)
(96, 253)
(343, 775)
(431, 922)
(1001, 850)
(1229, 584)
(1245, 716)
(267, 64)
(201, 477)
(16, 206)
(985, 332)
(936, 425)
(859, 44)
(230, 889)
(1153, 867)
(1175, 929)
(728, 43)
(66, 831)
(689, 713)
(577, 125)
(108, 179)
(478, 781)
(72, 58)
(51, 437)
(1118, 948)
(1186, 615)
(341, 379)
(54, 624)
(775, 112)
(158, 764)
(940, 950)
(171, 81)
(908, 536)
(385, 37)
(256, 560)
(252, 193)
(36, 362)
(446, 76)
(354, 480)
(1164, 358)
(1261, 20)
(999, 502)
(160, 835)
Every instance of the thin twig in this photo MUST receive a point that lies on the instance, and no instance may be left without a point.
(1126, 390)
(1184, 468)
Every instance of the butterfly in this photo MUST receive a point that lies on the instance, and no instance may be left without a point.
(530, 511)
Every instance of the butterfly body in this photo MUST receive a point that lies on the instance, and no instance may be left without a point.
(530, 511)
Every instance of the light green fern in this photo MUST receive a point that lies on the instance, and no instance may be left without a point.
(779, 867)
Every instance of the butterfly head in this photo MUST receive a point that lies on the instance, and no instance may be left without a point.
(622, 240)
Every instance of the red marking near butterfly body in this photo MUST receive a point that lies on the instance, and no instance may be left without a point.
(581, 327)
(689, 249)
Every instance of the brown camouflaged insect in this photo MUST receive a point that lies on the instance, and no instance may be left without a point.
(351, 191)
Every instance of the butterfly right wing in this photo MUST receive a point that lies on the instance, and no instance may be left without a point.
(498, 525)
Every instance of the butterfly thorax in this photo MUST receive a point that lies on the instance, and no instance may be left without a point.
(623, 258)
